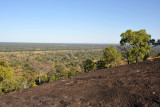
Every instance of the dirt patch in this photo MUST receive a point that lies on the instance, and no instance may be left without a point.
(135, 85)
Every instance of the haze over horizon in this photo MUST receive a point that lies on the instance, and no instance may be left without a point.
(76, 21)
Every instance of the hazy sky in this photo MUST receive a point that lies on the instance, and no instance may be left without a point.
(76, 21)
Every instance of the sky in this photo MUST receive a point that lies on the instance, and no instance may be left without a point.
(76, 21)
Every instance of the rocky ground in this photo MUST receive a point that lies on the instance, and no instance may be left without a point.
(135, 85)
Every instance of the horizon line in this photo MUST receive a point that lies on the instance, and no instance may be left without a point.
(58, 43)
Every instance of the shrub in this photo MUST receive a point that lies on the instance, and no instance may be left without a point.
(100, 64)
(88, 65)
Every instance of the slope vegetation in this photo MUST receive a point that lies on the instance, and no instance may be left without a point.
(135, 85)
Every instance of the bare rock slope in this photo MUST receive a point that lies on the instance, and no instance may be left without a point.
(135, 85)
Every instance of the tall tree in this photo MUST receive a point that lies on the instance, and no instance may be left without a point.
(111, 56)
(138, 42)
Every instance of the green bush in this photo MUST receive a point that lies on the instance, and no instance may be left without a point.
(111, 56)
(100, 64)
(6, 78)
(72, 74)
(7, 86)
(88, 65)
(21, 83)
(52, 78)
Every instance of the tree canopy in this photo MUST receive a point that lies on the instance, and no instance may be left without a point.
(5, 71)
(111, 56)
(88, 65)
(138, 42)
(154, 42)
(100, 64)
(6, 78)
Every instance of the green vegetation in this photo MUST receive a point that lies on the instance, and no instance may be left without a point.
(14, 47)
(27, 65)
(31, 68)
(154, 42)
(7, 81)
(6, 78)
(88, 65)
(111, 56)
(138, 43)
(101, 64)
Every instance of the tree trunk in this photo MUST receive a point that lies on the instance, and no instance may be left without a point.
(127, 57)
(115, 63)
(39, 79)
(127, 61)
(136, 59)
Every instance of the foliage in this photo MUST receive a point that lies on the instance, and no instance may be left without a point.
(31, 83)
(22, 47)
(100, 64)
(7, 85)
(154, 42)
(111, 56)
(146, 57)
(21, 83)
(44, 79)
(52, 78)
(62, 74)
(5, 71)
(6, 78)
(73, 72)
(138, 42)
(28, 67)
(88, 65)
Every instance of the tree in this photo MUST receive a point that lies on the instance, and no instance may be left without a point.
(6, 78)
(157, 42)
(41, 69)
(44, 79)
(138, 42)
(154, 42)
(88, 65)
(5, 71)
(111, 56)
(100, 64)
(124, 52)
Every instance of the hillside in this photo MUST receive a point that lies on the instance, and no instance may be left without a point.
(132, 85)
